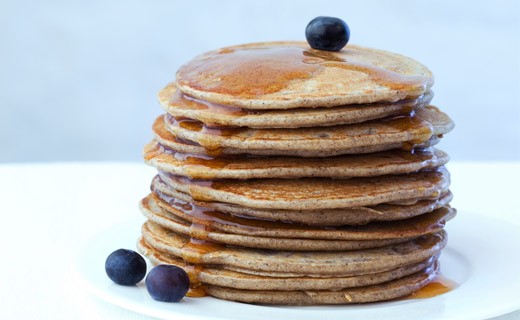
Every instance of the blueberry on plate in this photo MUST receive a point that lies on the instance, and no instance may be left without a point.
(167, 283)
(327, 33)
(125, 267)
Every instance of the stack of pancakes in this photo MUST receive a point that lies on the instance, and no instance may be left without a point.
(289, 175)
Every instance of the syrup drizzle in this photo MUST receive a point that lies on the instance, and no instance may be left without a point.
(250, 72)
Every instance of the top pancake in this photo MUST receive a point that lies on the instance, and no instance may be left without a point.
(284, 75)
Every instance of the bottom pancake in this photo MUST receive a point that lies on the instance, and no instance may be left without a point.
(220, 276)
(309, 263)
(242, 287)
(374, 293)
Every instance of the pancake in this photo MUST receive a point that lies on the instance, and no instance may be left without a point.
(363, 165)
(326, 217)
(380, 292)
(182, 227)
(203, 224)
(307, 263)
(179, 105)
(411, 130)
(294, 176)
(314, 193)
(167, 138)
(214, 275)
(215, 221)
(283, 75)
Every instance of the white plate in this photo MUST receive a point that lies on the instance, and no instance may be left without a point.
(481, 256)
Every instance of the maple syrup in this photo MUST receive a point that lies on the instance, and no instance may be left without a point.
(381, 76)
(438, 286)
(255, 71)
(193, 253)
(211, 145)
(181, 100)
(189, 158)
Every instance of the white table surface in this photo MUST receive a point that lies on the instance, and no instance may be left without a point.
(50, 210)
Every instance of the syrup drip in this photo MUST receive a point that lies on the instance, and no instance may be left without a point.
(422, 129)
(193, 253)
(181, 100)
(427, 242)
(160, 130)
(189, 158)
(211, 146)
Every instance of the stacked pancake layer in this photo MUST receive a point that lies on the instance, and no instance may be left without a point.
(288, 175)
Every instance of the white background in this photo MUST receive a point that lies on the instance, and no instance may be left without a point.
(78, 78)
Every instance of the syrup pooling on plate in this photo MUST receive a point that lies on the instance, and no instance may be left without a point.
(438, 286)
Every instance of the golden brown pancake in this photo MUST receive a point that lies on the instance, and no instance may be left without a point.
(411, 130)
(196, 166)
(345, 263)
(206, 224)
(283, 75)
(324, 217)
(167, 138)
(380, 292)
(220, 276)
(314, 193)
(180, 105)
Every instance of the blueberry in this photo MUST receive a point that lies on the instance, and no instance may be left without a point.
(327, 33)
(125, 267)
(167, 283)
